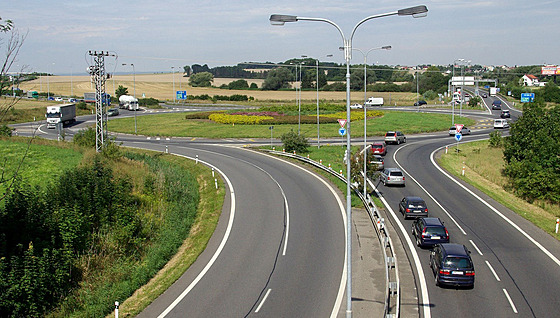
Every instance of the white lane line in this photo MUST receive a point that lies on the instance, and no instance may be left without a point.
(510, 301)
(505, 218)
(493, 271)
(287, 219)
(218, 251)
(263, 300)
(476, 247)
(421, 277)
(426, 191)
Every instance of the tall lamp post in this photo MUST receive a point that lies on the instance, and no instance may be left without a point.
(317, 86)
(279, 19)
(453, 91)
(135, 108)
(462, 88)
(173, 72)
(386, 47)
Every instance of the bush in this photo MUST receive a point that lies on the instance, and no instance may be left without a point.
(294, 142)
(222, 118)
(5, 131)
(496, 140)
(148, 102)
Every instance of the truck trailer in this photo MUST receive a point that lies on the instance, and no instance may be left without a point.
(64, 114)
(128, 102)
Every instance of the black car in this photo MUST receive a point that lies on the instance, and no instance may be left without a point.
(484, 95)
(420, 103)
(505, 114)
(452, 265)
(497, 104)
(413, 207)
(429, 231)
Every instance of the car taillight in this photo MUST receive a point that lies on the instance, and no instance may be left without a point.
(403, 178)
(469, 273)
(426, 210)
(444, 271)
(424, 233)
(446, 233)
(407, 210)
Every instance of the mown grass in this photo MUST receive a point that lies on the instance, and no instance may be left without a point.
(483, 169)
(175, 124)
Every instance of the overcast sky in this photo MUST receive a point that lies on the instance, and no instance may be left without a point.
(156, 35)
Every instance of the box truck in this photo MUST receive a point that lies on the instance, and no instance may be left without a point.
(64, 114)
(374, 101)
(128, 102)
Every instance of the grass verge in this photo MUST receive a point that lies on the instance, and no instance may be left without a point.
(483, 166)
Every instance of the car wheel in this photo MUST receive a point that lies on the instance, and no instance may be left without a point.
(418, 243)
(404, 140)
(436, 280)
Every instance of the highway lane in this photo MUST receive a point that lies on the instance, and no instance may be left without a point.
(285, 260)
(511, 271)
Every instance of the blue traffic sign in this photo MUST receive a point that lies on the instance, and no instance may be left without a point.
(181, 94)
(458, 136)
(342, 131)
(527, 97)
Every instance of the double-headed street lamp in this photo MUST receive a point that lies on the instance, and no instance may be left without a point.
(317, 87)
(386, 47)
(134, 83)
(279, 19)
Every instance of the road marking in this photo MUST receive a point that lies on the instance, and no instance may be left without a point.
(510, 301)
(264, 299)
(493, 271)
(424, 189)
(476, 247)
(500, 214)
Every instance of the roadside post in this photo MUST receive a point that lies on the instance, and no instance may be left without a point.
(458, 135)
(271, 128)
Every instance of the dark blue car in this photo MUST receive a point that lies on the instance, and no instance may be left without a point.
(452, 265)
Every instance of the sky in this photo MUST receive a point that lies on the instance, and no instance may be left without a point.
(161, 36)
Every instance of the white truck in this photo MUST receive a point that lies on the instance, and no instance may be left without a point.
(128, 102)
(374, 101)
(64, 114)
(493, 91)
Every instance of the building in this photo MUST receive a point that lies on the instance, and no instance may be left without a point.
(531, 80)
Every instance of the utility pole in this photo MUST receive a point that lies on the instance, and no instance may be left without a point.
(99, 77)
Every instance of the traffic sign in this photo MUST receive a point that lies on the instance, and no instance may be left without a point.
(527, 97)
(458, 128)
(342, 122)
(342, 131)
(458, 137)
(181, 94)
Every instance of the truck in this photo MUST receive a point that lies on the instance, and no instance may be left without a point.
(65, 114)
(128, 102)
(90, 98)
(374, 101)
(493, 91)
(32, 94)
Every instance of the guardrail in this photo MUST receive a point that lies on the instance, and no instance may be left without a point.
(392, 283)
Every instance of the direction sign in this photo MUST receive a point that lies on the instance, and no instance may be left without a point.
(458, 137)
(527, 97)
(458, 128)
(342, 122)
(342, 131)
(181, 94)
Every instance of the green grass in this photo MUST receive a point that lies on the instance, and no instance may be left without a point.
(483, 166)
(175, 124)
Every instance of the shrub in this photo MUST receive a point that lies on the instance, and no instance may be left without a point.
(5, 131)
(294, 142)
(495, 140)
(222, 118)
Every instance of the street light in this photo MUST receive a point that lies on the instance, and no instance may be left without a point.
(453, 91)
(386, 47)
(48, 84)
(173, 71)
(317, 87)
(136, 107)
(462, 88)
(279, 19)
(298, 97)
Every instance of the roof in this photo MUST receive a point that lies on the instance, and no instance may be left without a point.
(531, 76)
(454, 249)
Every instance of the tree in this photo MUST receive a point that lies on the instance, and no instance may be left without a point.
(239, 84)
(294, 142)
(203, 79)
(187, 70)
(433, 80)
(121, 90)
(277, 79)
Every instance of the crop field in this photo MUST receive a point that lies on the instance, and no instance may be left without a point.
(160, 86)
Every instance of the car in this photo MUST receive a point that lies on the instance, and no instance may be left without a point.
(484, 95)
(464, 131)
(391, 176)
(379, 161)
(72, 100)
(112, 112)
(497, 105)
(413, 207)
(452, 265)
(379, 148)
(395, 137)
(429, 231)
(58, 99)
(356, 106)
(420, 103)
(501, 124)
(505, 114)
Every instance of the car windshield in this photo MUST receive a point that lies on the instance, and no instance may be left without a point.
(53, 115)
(457, 262)
(437, 231)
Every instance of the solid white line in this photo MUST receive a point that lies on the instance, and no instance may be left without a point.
(493, 271)
(421, 277)
(510, 301)
(263, 300)
(287, 219)
(428, 193)
(505, 218)
(476, 247)
(220, 247)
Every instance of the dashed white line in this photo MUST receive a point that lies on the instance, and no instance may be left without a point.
(510, 301)
(493, 271)
(264, 299)
(476, 247)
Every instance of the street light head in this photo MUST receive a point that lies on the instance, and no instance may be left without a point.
(416, 12)
(280, 19)
(388, 47)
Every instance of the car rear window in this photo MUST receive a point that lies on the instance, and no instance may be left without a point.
(377, 146)
(440, 231)
(417, 203)
(457, 262)
(396, 174)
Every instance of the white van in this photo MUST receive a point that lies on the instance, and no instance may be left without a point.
(500, 123)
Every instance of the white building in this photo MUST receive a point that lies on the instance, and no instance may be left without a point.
(531, 80)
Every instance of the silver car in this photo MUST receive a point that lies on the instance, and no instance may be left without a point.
(392, 176)
(395, 137)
